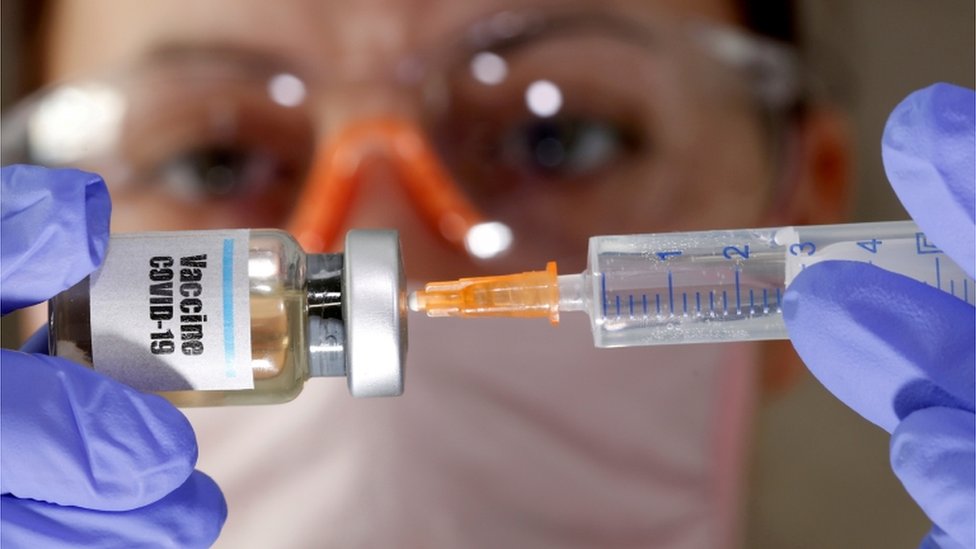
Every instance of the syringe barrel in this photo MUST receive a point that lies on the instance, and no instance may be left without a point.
(717, 286)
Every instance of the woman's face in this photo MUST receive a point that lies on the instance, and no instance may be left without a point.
(643, 134)
(595, 129)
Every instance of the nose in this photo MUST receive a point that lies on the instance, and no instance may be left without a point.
(382, 172)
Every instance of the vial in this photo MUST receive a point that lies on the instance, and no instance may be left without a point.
(213, 318)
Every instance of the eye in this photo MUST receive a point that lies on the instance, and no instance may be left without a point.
(218, 139)
(219, 171)
(567, 146)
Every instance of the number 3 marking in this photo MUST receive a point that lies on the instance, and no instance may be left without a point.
(804, 248)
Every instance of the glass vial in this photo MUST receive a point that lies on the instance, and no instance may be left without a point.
(162, 313)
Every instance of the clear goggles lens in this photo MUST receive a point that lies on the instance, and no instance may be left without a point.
(535, 133)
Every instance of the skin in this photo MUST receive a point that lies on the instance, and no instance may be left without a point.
(85, 36)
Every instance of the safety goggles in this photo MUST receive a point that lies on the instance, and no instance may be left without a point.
(531, 130)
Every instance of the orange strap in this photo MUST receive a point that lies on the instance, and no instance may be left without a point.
(334, 178)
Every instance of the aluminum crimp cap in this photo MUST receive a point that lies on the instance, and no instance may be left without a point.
(374, 310)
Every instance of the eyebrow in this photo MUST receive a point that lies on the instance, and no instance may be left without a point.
(567, 21)
(234, 54)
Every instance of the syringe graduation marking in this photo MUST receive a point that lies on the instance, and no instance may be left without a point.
(940, 284)
(603, 288)
(737, 309)
(671, 293)
(631, 274)
(738, 298)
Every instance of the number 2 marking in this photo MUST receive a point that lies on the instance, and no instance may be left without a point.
(729, 251)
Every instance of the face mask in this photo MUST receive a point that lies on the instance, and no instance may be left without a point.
(511, 434)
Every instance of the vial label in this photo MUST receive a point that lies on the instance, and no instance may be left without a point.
(171, 311)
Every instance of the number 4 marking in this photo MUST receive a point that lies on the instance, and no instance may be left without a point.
(870, 245)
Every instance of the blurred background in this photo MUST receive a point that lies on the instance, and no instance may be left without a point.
(819, 480)
(820, 474)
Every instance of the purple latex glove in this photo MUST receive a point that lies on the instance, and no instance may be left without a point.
(897, 351)
(84, 460)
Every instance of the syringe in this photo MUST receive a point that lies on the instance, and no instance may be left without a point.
(694, 287)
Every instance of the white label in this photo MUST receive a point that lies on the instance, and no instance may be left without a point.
(171, 311)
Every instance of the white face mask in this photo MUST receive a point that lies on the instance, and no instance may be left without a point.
(510, 434)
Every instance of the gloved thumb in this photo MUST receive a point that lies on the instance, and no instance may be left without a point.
(55, 231)
(74, 437)
(883, 343)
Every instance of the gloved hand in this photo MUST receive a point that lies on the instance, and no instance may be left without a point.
(897, 351)
(84, 461)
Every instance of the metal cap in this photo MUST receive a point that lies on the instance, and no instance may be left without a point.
(374, 310)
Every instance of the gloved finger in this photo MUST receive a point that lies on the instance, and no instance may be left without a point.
(929, 153)
(884, 344)
(933, 453)
(190, 516)
(75, 437)
(937, 539)
(37, 342)
(55, 231)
